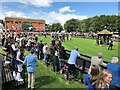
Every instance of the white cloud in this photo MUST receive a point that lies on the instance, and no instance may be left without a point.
(37, 3)
(66, 9)
(35, 13)
(1, 14)
(54, 17)
(1, 17)
(15, 14)
(49, 17)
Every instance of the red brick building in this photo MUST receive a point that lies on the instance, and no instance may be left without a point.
(14, 22)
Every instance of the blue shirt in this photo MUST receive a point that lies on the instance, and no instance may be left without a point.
(31, 60)
(73, 56)
(87, 82)
(115, 70)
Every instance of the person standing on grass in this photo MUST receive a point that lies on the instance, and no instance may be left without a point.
(30, 61)
(19, 61)
(41, 50)
(44, 51)
(110, 44)
(13, 49)
(71, 62)
(48, 54)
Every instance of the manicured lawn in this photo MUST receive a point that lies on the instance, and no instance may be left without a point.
(87, 47)
(46, 78)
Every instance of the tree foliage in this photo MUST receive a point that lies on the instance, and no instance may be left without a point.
(55, 27)
(96, 23)
(72, 25)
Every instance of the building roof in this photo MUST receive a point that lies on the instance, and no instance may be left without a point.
(104, 31)
(20, 18)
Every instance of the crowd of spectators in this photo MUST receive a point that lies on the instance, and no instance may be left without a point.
(54, 53)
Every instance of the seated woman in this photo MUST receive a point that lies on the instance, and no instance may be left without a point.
(90, 79)
(114, 67)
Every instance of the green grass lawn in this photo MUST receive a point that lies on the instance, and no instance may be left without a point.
(46, 78)
(87, 47)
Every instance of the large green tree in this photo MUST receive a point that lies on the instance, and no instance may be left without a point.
(94, 24)
(97, 23)
(72, 25)
(55, 27)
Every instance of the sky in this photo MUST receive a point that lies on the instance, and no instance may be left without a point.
(57, 11)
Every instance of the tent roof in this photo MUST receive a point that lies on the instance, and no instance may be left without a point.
(105, 31)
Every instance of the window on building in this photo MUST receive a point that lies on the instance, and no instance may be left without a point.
(40, 23)
(25, 22)
(20, 22)
(11, 22)
(34, 22)
(7, 21)
(16, 22)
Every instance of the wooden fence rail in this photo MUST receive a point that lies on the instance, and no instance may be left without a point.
(7, 80)
(84, 62)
